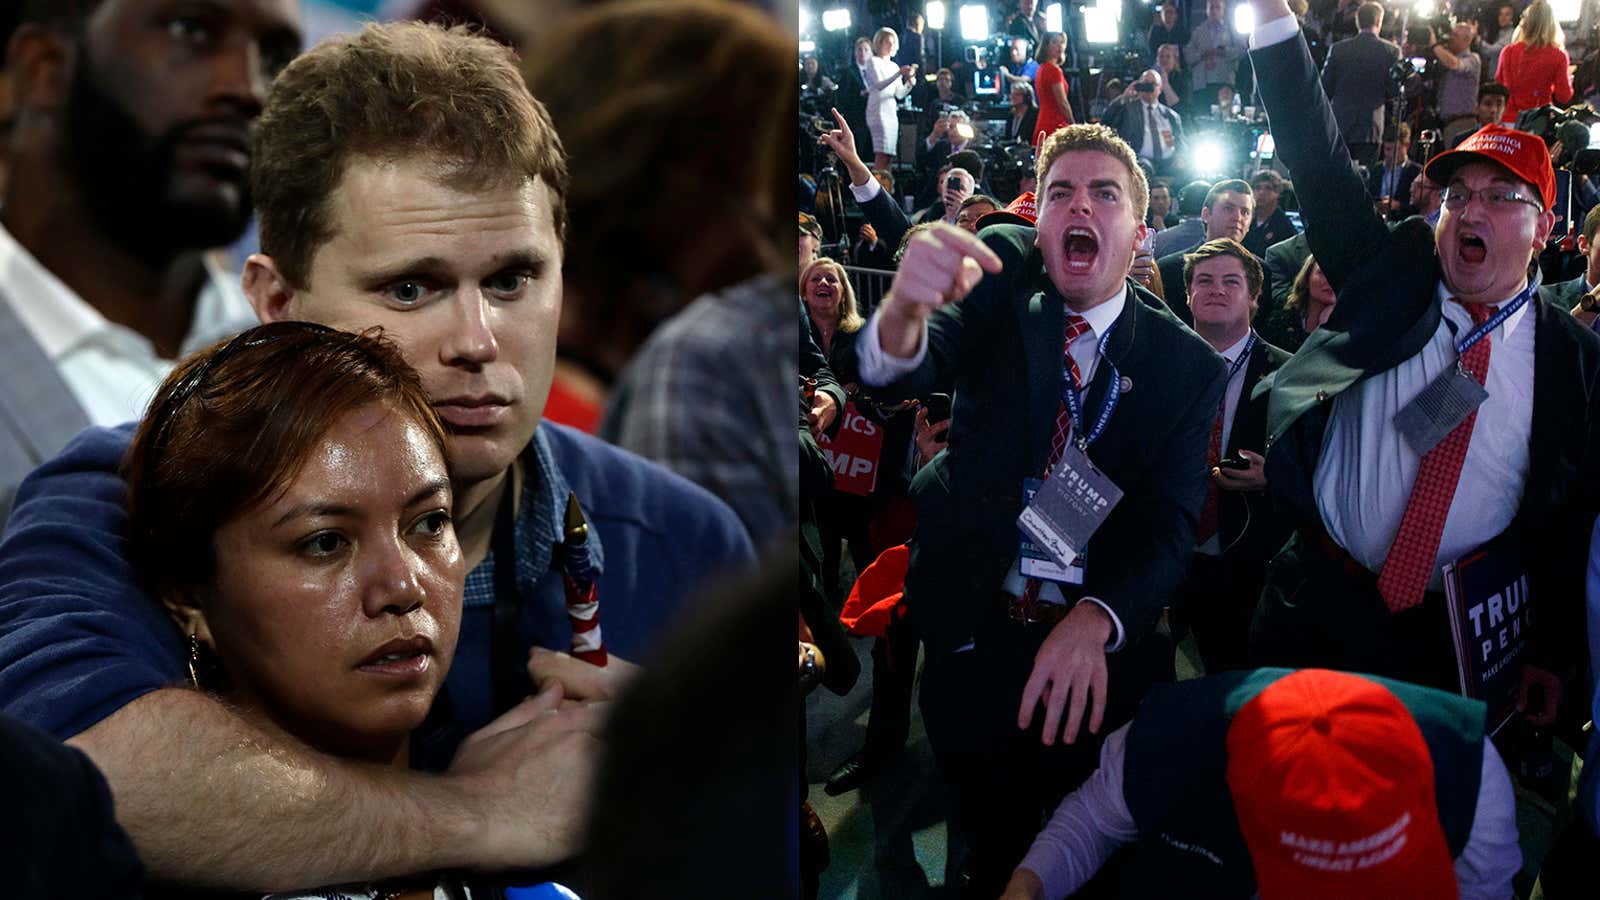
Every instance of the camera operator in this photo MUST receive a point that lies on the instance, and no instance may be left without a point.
(1021, 68)
(1153, 129)
(1458, 88)
(936, 99)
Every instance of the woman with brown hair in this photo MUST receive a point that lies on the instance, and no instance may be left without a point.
(1311, 298)
(1535, 67)
(290, 504)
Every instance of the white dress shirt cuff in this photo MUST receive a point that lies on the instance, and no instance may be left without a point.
(1119, 638)
(867, 191)
(1492, 856)
(879, 368)
(1088, 826)
(1274, 32)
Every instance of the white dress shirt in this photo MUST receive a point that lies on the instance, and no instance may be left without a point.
(879, 368)
(1094, 820)
(1364, 476)
(1230, 407)
(112, 370)
(1154, 146)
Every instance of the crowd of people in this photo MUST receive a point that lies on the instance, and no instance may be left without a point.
(303, 590)
(1319, 425)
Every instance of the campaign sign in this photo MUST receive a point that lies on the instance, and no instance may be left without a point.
(1487, 595)
(853, 452)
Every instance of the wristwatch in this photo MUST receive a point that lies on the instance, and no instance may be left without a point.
(808, 667)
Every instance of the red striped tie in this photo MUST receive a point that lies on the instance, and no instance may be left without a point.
(1410, 562)
(1077, 326)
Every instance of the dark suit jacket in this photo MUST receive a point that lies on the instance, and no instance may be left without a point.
(1356, 79)
(1402, 190)
(887, 219)
(814, 364)
(1566, 294)
(851, 101)
(1246, 526)
(1388, 310)
(1001, 348)
(1127, 118)
(1023, 130)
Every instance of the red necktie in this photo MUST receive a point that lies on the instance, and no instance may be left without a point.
(1076, 327)
(1208, 510)
(1410, 561)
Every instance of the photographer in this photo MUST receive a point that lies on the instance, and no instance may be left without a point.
(1151, 128)
(955, 186)
(1458, 88)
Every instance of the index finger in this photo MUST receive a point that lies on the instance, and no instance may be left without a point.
(969, 245)
(837, 117)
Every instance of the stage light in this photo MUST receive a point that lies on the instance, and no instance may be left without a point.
(935, 12)
(836, 19)
(805, 20)
(1566, 10)
(1244, 19)
(1207, 157)
(1099, 25)
(974, 22)
(808, 46)
(1266, 147)
(1423, 9)
(1052, 17)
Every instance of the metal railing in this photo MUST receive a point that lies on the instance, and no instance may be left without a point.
(870, 285)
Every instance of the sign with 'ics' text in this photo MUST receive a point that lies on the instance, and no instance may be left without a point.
(853, 453)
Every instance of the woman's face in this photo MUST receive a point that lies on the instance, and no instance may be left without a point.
(1506, 14)
(823, 294)
(1057, 48)
(810, 66)
(886, 46)
(337, 602)
(1167, 57)
(1320, 299)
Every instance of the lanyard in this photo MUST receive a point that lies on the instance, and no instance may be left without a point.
(1244, 357)
(1074, 399)
(1479, 333)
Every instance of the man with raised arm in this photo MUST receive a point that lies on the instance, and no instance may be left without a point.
(1500, 452)
(1070, 381)
(404, 178)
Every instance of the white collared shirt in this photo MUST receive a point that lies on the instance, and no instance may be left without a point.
(878, 368)
(1366, 470)
(112, 370)
(1230, 407)
(1152, 146)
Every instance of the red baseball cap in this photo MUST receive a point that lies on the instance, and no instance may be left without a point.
(1021, 211)
(1519, 152)
(1333, 786)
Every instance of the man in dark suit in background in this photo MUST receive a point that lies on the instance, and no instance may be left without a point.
(1389, 182)
(1133, 397)
(1356, 79)
(1227, 214)
(852, 96)
(1359, 585)
(1237, 533)
(1150, 127)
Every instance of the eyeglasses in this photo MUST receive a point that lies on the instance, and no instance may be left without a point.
(1456, 197)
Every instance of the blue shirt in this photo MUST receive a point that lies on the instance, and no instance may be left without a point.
(79, 639)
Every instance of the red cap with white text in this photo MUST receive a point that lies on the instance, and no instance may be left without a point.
(1021, 211)
(1523, 154)
(1333, 786)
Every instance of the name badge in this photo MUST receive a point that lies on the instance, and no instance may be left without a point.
(1034, 562)
(1069, 507)
(1442, 405)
